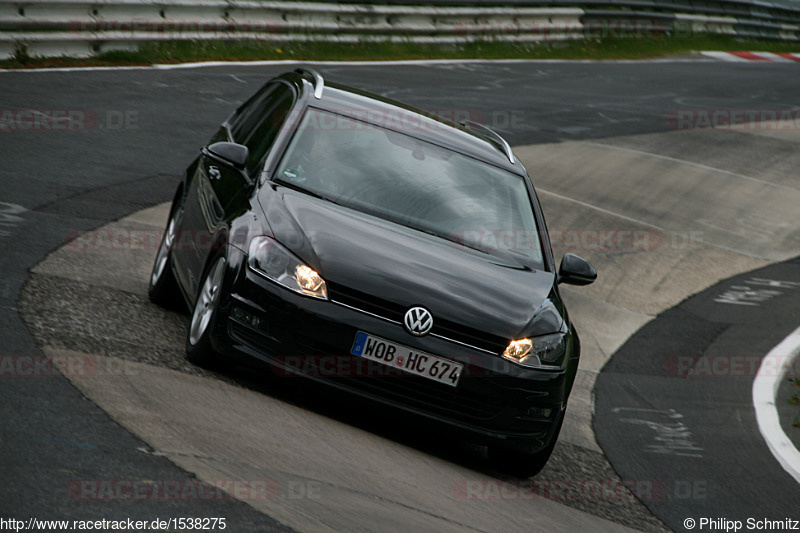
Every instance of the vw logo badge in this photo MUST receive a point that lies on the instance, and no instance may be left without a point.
(418, 321)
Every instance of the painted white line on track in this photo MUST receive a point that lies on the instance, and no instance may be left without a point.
(600, 209)
(642, 222)
(773, 369)
(692, 163)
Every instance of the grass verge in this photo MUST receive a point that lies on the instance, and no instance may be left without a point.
(191, 51)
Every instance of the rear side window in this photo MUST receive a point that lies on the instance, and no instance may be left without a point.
(261, 122)
(249, 114)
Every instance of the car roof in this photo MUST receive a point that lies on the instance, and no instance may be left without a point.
(477, 141)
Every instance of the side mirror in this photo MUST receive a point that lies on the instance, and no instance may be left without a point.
(231, 153)
(576, 271)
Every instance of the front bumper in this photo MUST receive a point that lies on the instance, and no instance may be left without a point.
(495, 400)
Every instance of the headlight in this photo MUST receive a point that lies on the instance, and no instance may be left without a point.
(546, 351)
(275, 262)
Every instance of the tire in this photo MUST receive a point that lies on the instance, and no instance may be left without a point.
(163, 289)
(204, 313)
(519, 463)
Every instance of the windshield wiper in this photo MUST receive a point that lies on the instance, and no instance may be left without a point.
(298, 188)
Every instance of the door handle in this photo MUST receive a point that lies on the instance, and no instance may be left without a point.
(213, 173)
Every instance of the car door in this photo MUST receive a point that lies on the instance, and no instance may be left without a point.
(218, 191)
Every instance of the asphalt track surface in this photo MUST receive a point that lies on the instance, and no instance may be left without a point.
(147, 124)
(674, 403)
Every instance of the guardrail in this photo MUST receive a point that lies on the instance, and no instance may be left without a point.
(82, 28)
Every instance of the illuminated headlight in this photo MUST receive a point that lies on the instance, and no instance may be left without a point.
(546, 351)
(275, 262)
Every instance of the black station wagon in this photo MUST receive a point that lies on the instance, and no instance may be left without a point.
(371, 246)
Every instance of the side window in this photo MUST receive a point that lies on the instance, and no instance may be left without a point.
(262, 135)
(248, 116)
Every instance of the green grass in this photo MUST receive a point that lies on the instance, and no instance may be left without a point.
(189, 51)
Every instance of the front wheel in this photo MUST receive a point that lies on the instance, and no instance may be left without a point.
(163, 289)
(198, 342)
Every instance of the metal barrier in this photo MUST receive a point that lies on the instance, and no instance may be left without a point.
(82, 28)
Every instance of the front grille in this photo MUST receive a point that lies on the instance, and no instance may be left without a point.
(368, 303)
(471, 336)
(395, 313)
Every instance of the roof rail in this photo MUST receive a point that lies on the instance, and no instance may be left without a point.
(319, 83)
(503, 145)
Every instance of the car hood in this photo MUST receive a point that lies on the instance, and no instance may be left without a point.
(357, 252)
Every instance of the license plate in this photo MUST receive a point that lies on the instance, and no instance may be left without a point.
(408, 359)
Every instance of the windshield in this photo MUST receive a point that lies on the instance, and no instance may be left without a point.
(412, 182)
